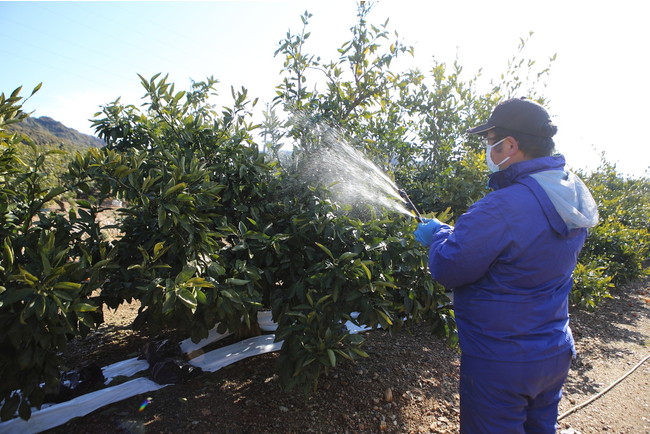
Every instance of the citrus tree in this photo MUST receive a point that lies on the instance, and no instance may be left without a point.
(214, 231)
(50, 265)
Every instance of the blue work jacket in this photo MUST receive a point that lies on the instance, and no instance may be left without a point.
(509, 260)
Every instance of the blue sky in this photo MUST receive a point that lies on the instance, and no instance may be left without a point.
(89, 53)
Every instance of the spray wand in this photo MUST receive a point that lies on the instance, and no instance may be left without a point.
(406, 197)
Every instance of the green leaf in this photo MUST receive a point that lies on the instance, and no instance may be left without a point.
(384, 316)
(27, 277)
(201, 298)
(47, 267)
(168, 304)
(185, 274)
(332, 357)
(326, 250)
(102, 263)
(162, 217)
(174, 188)
(343, 354)
(187, 298)
(9, 251)
(121, 171)
(11, 296)
(322, 299)
(199, 282)
(368, 274)
(63, 295)
(83, 307)
(52, 193)
(15, 94)
(347, 256)
(36, 89)
(39, 306)
(360, 352)
(237, 282)
(86, 319)
(67, 286)
(179, 95)
(217, 269)
(83, 203)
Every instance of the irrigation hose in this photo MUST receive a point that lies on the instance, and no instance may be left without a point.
(595, 397)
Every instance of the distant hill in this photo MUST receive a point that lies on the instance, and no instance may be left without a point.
(47, 131)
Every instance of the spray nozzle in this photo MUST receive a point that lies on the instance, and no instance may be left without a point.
(406, 197)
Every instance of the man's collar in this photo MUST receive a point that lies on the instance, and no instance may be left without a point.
(508, 176)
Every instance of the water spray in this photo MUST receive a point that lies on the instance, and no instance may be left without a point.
(406, 197)
(349, 176)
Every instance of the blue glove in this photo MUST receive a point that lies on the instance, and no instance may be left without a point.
(425, 230)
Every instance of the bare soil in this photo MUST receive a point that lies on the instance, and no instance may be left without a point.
(408, 385)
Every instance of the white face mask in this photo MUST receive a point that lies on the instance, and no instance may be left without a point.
(491, 164)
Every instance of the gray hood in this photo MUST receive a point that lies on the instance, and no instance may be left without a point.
(570, 196)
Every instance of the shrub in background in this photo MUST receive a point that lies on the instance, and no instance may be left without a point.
(619, 247)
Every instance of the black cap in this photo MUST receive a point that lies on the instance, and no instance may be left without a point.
(521, 115)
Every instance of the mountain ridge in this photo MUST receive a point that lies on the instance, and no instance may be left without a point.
(47, 131)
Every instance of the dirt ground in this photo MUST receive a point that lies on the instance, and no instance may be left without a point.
(408, 385)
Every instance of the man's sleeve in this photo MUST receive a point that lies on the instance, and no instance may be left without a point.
(461, 255)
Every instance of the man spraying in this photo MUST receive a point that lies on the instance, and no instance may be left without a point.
(509, 260)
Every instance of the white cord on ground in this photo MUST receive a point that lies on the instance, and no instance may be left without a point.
(595, 397)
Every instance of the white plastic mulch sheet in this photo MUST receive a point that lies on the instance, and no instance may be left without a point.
(187, 346)
(265, 320)
(217, 359)
(124, 368)
(58, 414)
